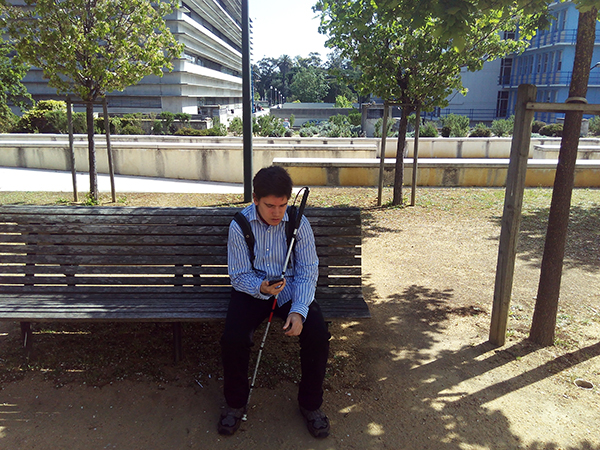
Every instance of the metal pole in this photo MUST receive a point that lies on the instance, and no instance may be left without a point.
(111, 169)
(71, 147)
(247, 102)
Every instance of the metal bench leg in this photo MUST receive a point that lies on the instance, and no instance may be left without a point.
(177, 348)
(26, 336)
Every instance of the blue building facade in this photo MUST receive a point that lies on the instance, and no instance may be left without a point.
(546, 63)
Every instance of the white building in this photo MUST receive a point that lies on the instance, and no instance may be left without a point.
(206, 80)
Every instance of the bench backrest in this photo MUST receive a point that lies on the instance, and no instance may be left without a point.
(119, 250)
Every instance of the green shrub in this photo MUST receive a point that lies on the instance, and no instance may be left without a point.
(218, 128)
(132, 119)
(454, 125)
(7, 119)
(50, 105)
(308, 131)
(503, 127)
(428, 130)
(236, 126)
(341, 101)
(555, 130)
(340, 120)
(131, 129)
(47, 116)
(355, 118)
(79, 123)
(183, 118)
(157, 127)
(188, 131)
(113, 122)
(268, 126)
(481, 130)
(379, 125)
(594, 129)
(537, 125)
(292, 120)
(167, 118)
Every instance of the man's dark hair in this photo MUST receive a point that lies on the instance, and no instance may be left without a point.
(273, 180)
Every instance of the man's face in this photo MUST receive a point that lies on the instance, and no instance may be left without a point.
(271, 208)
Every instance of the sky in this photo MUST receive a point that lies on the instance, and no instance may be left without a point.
(285, 27)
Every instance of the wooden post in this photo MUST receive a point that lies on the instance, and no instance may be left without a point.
(71, 147)
(511, 217)
(111, 169)
(382, 152)
(415, 157)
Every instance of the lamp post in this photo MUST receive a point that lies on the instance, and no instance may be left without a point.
(271, 96)
(247, 102)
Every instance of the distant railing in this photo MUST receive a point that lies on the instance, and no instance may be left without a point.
(545, 38)
(474, 114)
(540, 79)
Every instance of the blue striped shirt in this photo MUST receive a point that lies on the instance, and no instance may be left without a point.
(270, 250)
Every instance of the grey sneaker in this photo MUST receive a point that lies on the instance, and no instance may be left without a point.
(316, 422)
(230, 420)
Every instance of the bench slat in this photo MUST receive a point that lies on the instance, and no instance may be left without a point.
(70, 269)
(143, 239)
(150, 264)
(47, 309)
(145, 280)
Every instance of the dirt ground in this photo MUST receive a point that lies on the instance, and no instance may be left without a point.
(419, 374)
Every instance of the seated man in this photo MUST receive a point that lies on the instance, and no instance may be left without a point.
(252, 299)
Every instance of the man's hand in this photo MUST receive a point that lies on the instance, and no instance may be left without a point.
(293, 325)
(271, 290)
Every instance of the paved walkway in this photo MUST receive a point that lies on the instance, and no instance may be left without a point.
(18, 179)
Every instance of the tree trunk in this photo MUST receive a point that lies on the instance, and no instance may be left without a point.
(399, 168)
(89, 109)
(546, 307)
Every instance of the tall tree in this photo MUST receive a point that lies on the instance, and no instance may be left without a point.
(309, 85)
(267, 71)
(341, 78)
(546, 307)
(415, 66)
(12, 91)
(285, 64)
(91, 47)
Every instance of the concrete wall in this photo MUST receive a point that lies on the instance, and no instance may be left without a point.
(432, 172)
(190, 158)
(221, 158)
(472, 147)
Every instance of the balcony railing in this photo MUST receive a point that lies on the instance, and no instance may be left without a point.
(553, 37)
(561, 78)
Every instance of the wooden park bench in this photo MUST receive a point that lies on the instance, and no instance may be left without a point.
(142, 264)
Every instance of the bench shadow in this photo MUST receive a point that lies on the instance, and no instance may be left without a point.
(435, 407)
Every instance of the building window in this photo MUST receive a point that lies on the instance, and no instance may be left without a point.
(505, 71)
(562, 19)
(502, 104)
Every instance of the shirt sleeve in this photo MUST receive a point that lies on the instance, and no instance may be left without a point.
(306, 269)
(243, 277)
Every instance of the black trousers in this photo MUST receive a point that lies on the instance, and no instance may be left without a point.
(244, 315)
